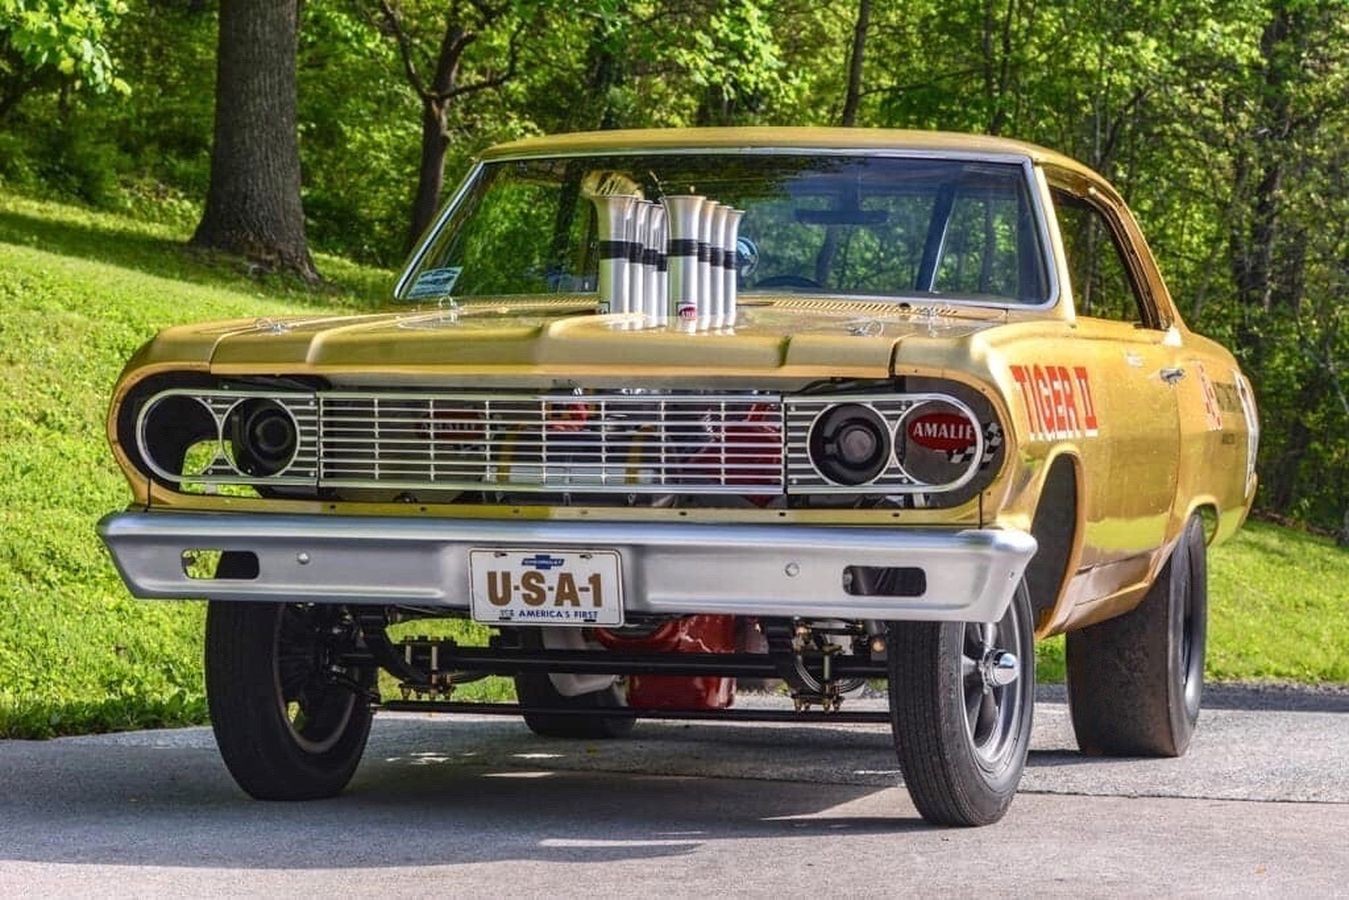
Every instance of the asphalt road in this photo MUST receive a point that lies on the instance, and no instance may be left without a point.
(479, 806)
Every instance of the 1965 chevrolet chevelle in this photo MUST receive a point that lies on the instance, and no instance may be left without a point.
(666, 409)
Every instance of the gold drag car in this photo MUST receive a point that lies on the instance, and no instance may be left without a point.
(667, 409)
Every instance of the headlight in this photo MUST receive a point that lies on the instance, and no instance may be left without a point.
(203, 439)
(850, 444)
(263, 436)
(939, 442)
(936, 442)
(178, 436)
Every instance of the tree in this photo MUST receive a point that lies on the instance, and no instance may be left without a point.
(253, 205)
(464, 24)
(50, 43)
(852, 97)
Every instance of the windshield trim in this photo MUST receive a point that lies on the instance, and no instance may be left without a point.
(1024, 161)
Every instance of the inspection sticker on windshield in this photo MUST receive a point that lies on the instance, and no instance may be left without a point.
(435, 282)
(546, 587)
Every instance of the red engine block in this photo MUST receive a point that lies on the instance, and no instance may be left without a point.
(691, 634)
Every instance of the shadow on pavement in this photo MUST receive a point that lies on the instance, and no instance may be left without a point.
(175, 806)
(1252, 697)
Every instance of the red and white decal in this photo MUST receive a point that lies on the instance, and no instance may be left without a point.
(1252, 417)
(1059, 402)
(1212, 414)
(948, 432)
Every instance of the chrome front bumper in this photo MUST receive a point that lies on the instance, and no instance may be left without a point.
(668, 567)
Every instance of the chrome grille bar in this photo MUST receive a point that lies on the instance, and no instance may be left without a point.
(591, 443)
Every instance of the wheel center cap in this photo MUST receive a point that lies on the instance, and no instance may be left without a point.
(999, 668)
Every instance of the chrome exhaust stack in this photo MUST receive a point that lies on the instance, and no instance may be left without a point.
(637, 241)
(613, 214)
(653, 258)
(716, 258)
(730, 266)
(683, 221)
(706, 224)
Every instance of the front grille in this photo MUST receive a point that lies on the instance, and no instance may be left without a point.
(634, 443)
(639, 442)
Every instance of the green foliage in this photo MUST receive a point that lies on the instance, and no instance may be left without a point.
(57, 41)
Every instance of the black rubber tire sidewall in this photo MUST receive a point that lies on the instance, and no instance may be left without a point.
(945, 779)
(255, 741)
(1126, 692)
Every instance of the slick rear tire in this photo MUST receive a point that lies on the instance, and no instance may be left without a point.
(1135, 681)
(537, 689)
(284, 731)
(961, 712)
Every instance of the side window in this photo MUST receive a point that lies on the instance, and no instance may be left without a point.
(1102, 287)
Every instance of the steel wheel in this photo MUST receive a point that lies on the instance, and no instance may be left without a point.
(990, 667)
(315, 710)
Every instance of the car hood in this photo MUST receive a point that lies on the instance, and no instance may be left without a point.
(510, 339)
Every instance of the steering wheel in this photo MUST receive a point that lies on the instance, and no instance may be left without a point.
(799, 281)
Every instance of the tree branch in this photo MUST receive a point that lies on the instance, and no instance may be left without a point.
(485, 84)
(404, 41)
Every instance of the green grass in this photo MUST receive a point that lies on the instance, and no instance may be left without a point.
(1278, 610)
(80, 291)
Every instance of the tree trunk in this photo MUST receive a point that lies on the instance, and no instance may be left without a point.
(253, 205)
(1279, 45)
(852, 98)
(431, 172)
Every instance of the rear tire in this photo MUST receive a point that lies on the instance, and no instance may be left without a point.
(537, 689)
(1135, 681)
(961, 736)
(284, 731)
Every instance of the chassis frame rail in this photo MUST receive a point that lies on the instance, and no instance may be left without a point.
(812, 717)
(492, 661)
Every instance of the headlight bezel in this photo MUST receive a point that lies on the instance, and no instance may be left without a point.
(896, 408)
(224, 406)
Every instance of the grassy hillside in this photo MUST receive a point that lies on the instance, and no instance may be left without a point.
(1278, 609)
(80, 291)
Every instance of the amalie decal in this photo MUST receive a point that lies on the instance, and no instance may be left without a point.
(949, 432)
(1059, 403)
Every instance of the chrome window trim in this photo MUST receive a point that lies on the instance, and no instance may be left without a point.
(1024, 161)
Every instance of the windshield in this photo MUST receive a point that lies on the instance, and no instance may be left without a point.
(814, 224)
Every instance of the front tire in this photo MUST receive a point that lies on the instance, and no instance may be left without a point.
(537, 689)
(284, 730)
(1135, 681)
(961, 704)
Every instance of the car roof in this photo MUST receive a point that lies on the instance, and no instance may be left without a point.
(860, 139)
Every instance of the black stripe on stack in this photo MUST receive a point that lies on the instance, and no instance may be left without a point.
(614, 250)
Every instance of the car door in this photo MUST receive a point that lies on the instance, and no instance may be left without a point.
(1132, 353)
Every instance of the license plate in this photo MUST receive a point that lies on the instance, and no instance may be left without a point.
(546, 587)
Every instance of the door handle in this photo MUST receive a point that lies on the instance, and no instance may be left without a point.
(1172, 374)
